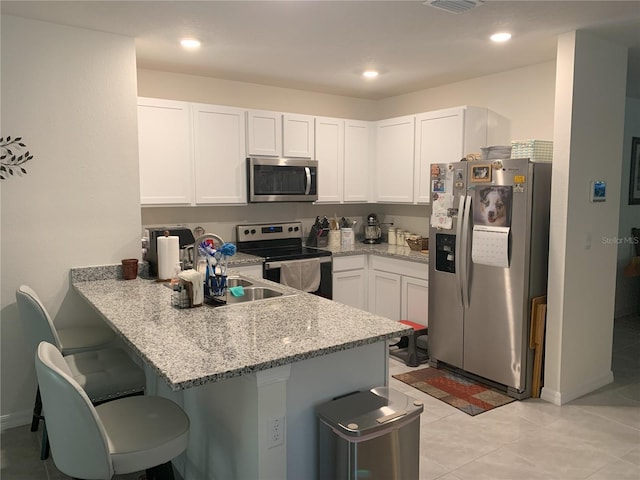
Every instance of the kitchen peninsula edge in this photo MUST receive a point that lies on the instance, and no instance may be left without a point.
(234, 368)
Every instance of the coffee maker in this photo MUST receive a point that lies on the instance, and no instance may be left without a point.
(372, 231)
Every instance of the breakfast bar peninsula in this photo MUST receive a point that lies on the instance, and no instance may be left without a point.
(249, 375)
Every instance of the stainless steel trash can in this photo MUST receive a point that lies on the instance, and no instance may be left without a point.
(373, 434)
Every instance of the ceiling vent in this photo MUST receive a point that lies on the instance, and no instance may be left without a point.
(454, 6)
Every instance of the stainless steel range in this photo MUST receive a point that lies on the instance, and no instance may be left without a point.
(281, 246)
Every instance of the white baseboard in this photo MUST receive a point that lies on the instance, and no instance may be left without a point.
(17, 419)
(560, 398)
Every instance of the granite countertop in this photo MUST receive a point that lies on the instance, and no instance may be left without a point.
(190, 347)
(381, 249)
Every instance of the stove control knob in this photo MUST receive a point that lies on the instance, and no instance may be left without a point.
(246, 232)
(296, 229)
(291, 229)
(253, 231)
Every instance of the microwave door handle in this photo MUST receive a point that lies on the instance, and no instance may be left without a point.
(307, 172)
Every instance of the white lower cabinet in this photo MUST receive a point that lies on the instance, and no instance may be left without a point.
(414, 300)
(384, 294)
(251, 270)
(398, 289)
(350, 281)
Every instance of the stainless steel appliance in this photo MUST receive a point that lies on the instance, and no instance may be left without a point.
(370, 434)
(186, 240)
(282, 180)
(489, 238)
(281, 243)
(372, 231)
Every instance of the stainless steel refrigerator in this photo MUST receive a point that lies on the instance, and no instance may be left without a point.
(489, 242)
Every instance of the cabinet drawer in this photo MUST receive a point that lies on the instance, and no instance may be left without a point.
(401, 267)
(351, 262)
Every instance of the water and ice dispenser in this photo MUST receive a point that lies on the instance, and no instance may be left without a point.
(445, 252)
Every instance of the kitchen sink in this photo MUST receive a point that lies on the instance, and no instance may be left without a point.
(238, 282)
(256, 293)
(254, 290)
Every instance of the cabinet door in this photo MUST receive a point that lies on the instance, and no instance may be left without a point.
(439, 139)
(350, 288)
(165, 152)
(251, 270)
(394, 160)
(384, 294)
(219, 150)
(298, 136)
(358, 160)
(330, 155)
(264, 133)
(415, 300)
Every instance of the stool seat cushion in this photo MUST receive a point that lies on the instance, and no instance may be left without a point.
(82, 339)
(143, 431)
(105, 374)
(414, 325)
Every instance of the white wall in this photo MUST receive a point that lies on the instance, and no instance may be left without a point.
(627, 288)
(587, 146)
(71, 95)
(191, 88)
(525, 96)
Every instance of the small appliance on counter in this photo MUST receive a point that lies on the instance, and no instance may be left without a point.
(185, 241)
(372, 231)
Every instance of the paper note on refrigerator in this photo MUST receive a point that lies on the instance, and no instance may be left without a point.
(490, 246)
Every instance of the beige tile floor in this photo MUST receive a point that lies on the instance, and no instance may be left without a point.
(596, 437)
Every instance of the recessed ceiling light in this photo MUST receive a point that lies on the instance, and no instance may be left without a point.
(190, 43)
(500, 37)
(370, 73)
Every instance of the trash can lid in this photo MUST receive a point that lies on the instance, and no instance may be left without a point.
(365, 413)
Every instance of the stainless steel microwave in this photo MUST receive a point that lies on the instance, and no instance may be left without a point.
(282, 180)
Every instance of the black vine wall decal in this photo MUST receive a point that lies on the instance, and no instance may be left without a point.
(14, 155)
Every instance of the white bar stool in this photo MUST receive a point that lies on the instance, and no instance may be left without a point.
(104, 374)
(122, 436)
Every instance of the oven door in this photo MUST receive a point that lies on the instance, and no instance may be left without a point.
(271, 271)
(282, 180)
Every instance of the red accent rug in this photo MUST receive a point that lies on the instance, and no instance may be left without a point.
(460, 392)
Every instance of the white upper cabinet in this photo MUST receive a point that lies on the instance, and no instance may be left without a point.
(358, 160)
(165, 152)
(264, 133)
(446, 136)
(274, 134)
(220, 155)
(329, 152)
(394, 160)
(298, 138)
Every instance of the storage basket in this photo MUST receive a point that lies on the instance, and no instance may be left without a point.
(418, 244)
(536, 150)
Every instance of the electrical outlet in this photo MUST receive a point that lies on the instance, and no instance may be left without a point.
(275, 432)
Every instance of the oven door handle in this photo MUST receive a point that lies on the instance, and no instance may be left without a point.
(273, 265)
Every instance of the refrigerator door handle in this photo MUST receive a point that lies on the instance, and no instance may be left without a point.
(464, 261)
(459, 250)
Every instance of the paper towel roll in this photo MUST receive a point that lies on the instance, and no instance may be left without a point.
(168, 256)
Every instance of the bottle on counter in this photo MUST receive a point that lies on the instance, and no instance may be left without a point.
(392, 235)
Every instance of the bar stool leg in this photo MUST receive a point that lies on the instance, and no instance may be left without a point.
(44, 447)
(37, 412)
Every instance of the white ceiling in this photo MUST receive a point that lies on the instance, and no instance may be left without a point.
(324, 45)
